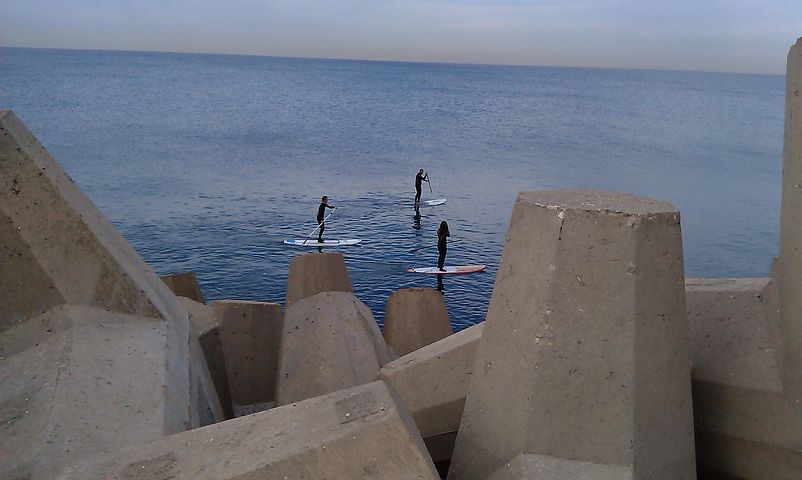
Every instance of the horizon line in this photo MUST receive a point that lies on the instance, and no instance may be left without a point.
(425, 62)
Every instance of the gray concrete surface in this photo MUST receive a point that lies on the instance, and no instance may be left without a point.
(43, 213)
(791, 227)
(584, 352)
(78, 380)
(747, 341)
(208, 331)
(733, 338)
(184, 284)
(544, 467)
(433, 383)
(747, 423)
(313, 273)
(330, 341)
(250, 333)
(359, 433)
(57, 251)
(415, 317)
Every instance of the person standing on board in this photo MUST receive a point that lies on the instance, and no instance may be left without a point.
(419, 178)
(321, 214)
(442, 234)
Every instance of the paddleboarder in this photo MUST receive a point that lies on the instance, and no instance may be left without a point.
(321, 211)
(419, 179)
(442, 235)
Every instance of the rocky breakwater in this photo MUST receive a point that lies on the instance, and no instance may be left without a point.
(104, 376)
(582, 369)
(746, 341)
(97, 352)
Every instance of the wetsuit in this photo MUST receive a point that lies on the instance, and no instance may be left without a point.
(321, 214)
(418, 179)
(442, 248)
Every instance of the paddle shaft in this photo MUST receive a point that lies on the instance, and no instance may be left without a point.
(319, 224)
(429, 181)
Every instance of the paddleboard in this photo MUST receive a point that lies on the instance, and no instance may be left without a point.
(449, 270)
(325, 243)
(425, 203)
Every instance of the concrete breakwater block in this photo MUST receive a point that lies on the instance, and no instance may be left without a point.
(76, 381)
(433, 383)
(790, 258)
(65, 250)
(360, 433)
(747, 342)
(313, 273)
(250, 333)
(208, 330)
(747, 421)
(330, 341)
(545, 467)
(734, 327)
(57, 249)
(584, 352)
(184, 285)
(415, 317)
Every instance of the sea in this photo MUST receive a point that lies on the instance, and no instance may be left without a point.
(206, 163)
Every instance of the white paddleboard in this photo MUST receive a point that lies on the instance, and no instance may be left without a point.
(325, 243)
(449, 270)
(426, 203)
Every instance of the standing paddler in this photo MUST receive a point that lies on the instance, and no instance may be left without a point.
(442, 247)
(419, 179)
(321, 213)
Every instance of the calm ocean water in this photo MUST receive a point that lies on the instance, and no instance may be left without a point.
(207, 162)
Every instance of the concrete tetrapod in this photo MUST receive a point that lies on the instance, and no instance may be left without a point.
(57, 249)
(184, 285)
(415, 317)
(747, 341)
(76, 381)
(734, 328)
(433, 382)
(747, 425)
(313, 273)
(790, 260)
(208, 330)
(584, 352)
(360, 433)
(61, 247)
(330, 341)
(544, 467)
(250, 333)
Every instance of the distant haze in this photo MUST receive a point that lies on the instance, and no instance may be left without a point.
(708, 35)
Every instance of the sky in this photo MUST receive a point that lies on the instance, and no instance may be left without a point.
(749, 36)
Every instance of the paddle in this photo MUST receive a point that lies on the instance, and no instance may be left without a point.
(429, 181)
(429, 246)
(318, 225)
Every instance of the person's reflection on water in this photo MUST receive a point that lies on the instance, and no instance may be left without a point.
(440, 286)
(416, 219)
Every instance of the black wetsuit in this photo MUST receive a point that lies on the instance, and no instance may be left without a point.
(321, 214)
(442, 248)
(418, 182)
